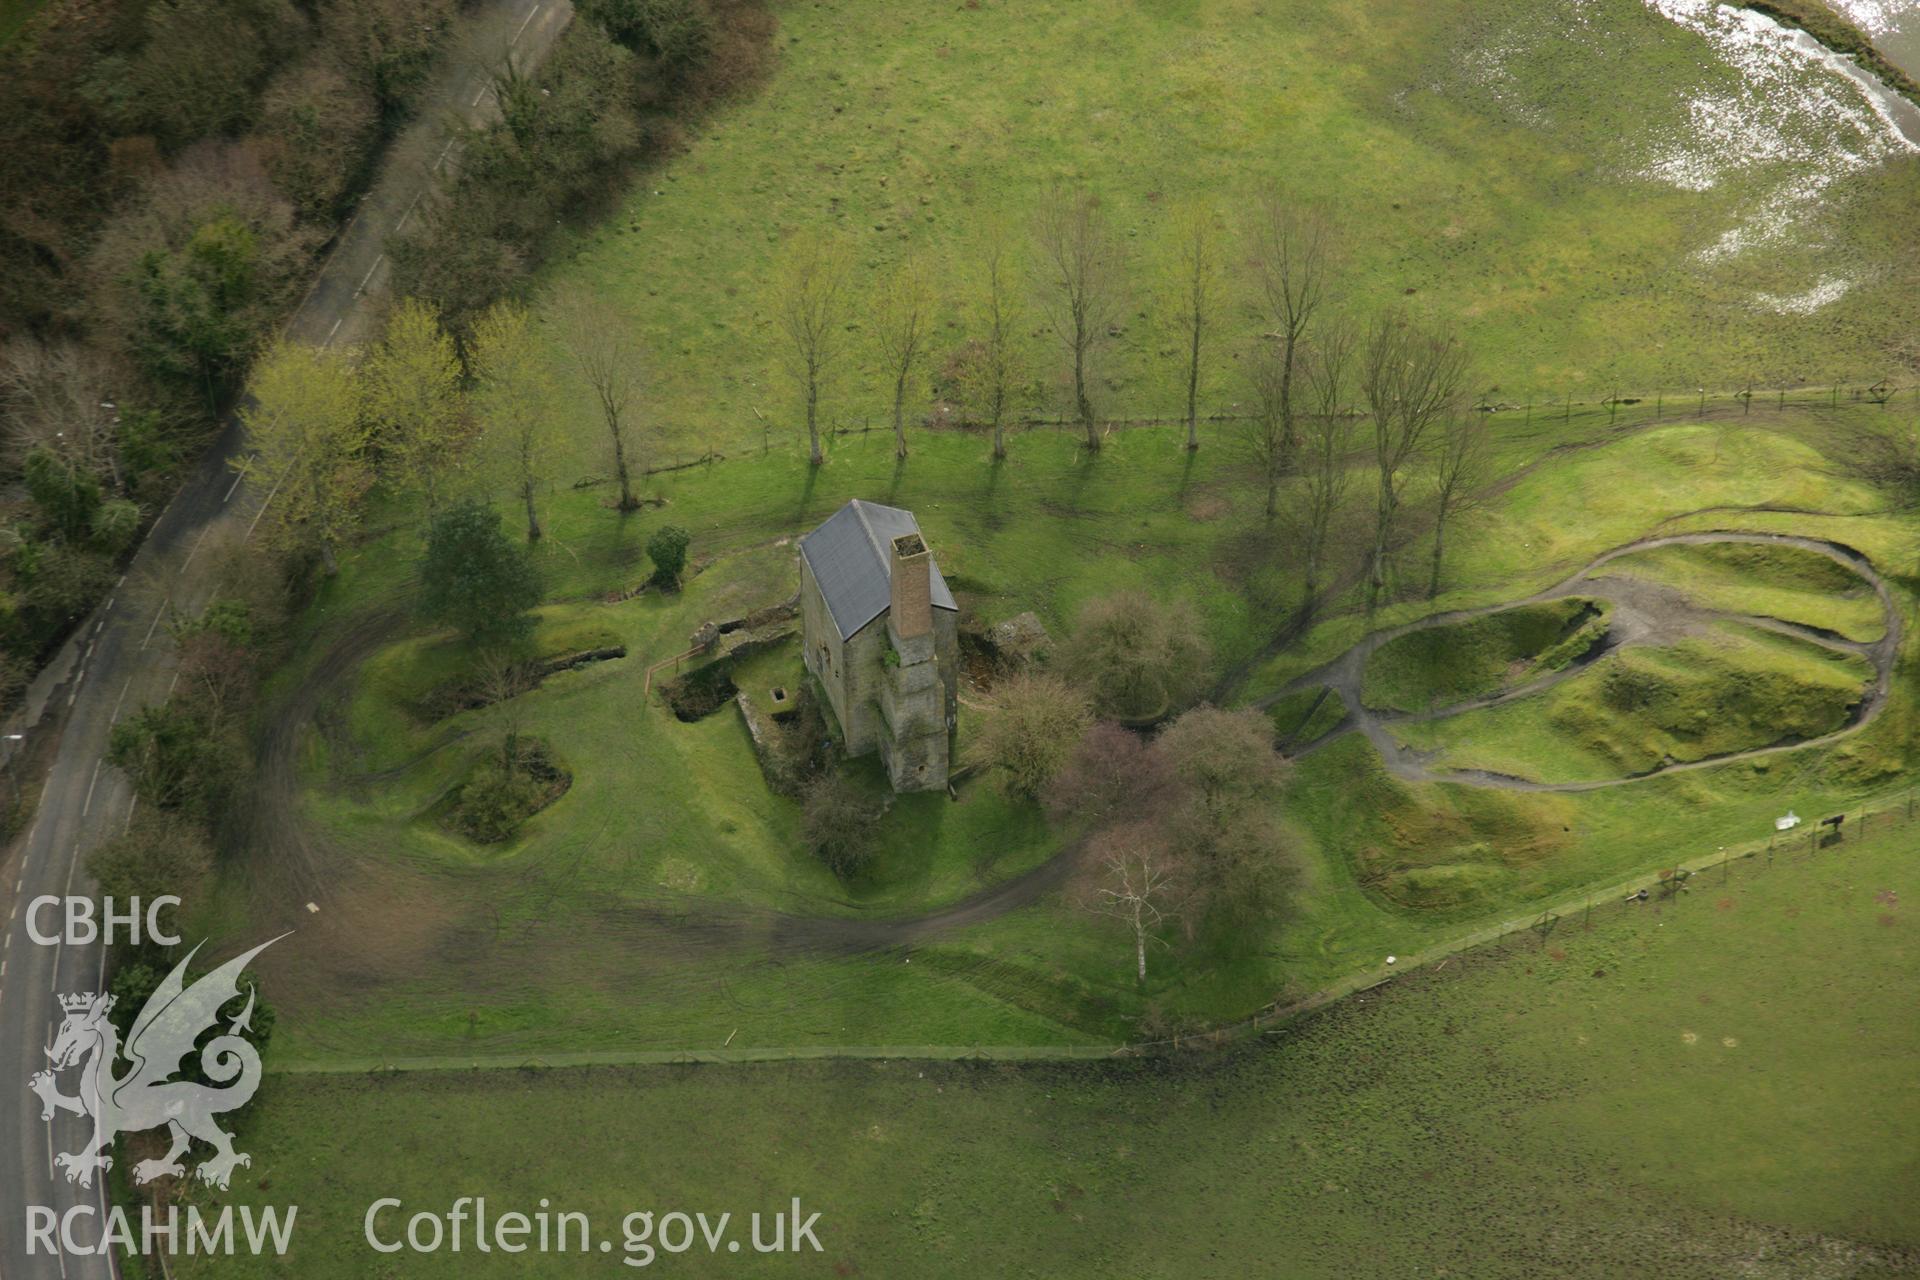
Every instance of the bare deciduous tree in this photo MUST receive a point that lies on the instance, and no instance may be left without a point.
(514, 396)
(60, 397)
(1032, 732)
(810, 302)
(1139, 883)
(902, 317)
(1327, 431)
(1411, 377)
(990, 375)
(1079, 269)
(1198, 279)
(1137, 657)
(1460, 459)
(1266, 430)
(1292, 259)
(596, 336)
(1113, 775)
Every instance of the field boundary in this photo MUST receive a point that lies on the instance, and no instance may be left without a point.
(1895, 806)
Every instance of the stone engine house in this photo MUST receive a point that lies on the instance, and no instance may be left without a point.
(881, 635)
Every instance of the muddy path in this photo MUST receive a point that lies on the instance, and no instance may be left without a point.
(1644, 613)
(382, 920)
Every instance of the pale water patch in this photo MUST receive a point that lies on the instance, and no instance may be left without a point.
(1797, 105)
(1829, 291)
(1875, 17)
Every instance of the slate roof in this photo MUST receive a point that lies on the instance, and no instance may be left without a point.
(851, 559)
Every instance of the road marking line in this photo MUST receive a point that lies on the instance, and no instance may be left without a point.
(171, 683)
(481, 94)
(204, 531)
(442, 158)
(115, 717)
(523, 26)
(263, 506)
(95, 781)
(370, 270)
(332, 331)
(150, 627)
(131, 806)
(238, 476)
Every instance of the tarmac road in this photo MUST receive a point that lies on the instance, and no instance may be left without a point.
(121, 659)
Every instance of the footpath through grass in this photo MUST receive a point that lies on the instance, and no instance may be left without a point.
(1713, 1085)
(636, 914)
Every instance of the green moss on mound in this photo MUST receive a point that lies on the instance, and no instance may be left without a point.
(1440, 666)
(1774, 581)
(1433, 847)
(1733, 689)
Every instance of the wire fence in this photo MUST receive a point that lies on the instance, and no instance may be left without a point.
(1615, 404)
(1806, 844)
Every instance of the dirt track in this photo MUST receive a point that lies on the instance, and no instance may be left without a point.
(382, 916)
(1644, 613)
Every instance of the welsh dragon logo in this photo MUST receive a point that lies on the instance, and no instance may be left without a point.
(143, 1096)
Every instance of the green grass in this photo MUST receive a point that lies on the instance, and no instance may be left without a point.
(14, 15)
(664, 868)
(1524, 170)
(1776, 582)
(1714, 1085)
(1301, 717)
(1439, 666)
(1731, 689)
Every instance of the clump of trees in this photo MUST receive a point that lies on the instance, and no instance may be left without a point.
(508, 786)
(1137, 657)
(1180, 827)
(1032, 731)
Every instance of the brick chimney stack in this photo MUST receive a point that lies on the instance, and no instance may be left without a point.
(911, 587)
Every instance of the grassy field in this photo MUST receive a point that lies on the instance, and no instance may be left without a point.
(1598, 196)
(1715, 1085)
(646, 909)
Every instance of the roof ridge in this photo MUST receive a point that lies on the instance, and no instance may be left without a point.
(873, 539)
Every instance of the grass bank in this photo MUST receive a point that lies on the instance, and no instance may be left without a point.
(1687, 1087)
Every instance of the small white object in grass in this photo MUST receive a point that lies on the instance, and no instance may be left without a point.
(1787, 823)
(1391, 959)
(313, 908)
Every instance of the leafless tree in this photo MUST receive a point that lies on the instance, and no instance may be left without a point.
(1198, 278)
(1113, 775)
(60, 397)
(1292, 253)
(1032, 732)
(1411, 378)
(1266, 432)
(991, 376)
(1139, 883)
(810, 303)
(598, 339)
(1460, 458)
(1327, 439)
(902, 316)
(1079, 268)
